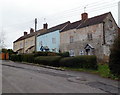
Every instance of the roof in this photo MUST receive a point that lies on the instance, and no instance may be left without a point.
(57, 27)
(28, 35)
(44, 31)
(84, 23)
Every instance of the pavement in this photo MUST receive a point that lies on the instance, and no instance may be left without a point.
(24, 78)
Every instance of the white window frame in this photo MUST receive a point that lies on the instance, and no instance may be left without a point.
(72, 53)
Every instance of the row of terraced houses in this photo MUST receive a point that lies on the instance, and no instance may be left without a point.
(88, 36)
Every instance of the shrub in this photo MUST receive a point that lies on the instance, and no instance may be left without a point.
(28, 58)
(88, 62)
(64, 54)
(48, 60)
(15, 57)
(42, 53)
(114, 62)
(51, 54)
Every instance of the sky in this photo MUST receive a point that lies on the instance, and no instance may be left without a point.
(18, 16)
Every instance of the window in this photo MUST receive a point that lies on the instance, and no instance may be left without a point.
(26, 43)
(89, 36)
(72, 53)
(54, 40)
(31, 42)
(40, 43)
(21, 45)
(81, 52)
(71, 39)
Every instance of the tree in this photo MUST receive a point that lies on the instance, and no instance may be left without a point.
(114, 62)
(2, 40)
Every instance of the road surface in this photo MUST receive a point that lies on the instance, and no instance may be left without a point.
(22, 78)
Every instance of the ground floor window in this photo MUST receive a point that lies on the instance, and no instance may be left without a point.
(72, 53)
(81, 52)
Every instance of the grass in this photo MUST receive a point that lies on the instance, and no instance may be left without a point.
(103, 71)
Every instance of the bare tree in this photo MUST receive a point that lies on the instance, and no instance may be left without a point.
(2, 40)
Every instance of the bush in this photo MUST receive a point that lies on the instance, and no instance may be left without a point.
(28, 58)
(15, 57)
(89, 62)
(114, 62)
(64, 54)
(40, 53)
(48, 60)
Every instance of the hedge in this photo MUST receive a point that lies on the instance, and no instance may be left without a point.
(28, 58)
(114, 62)
(64, 54)
(89, 62)
(48, 60)
(15, 57)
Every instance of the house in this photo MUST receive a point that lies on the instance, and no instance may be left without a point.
(26, 43)
(50, 39)
(90, 36)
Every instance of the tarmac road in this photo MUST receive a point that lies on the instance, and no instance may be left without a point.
(22, 78)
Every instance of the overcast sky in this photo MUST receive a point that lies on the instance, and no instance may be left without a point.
(18, 15)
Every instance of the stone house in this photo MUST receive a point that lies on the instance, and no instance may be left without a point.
(26, 43)
(90, 36)
(49, 40)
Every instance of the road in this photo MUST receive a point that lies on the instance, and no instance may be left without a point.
(22, 78)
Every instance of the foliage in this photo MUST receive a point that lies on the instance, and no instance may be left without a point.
(89, 62)
(28, 58)
(114, 62)
(64, 54)
(48, 60)
(4, 50)
(15, 57)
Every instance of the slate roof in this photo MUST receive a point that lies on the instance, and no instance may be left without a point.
(83, 23)
(26, 36)
(44, 31)
(57, 27)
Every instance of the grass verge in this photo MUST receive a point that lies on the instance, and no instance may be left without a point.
(103, 71)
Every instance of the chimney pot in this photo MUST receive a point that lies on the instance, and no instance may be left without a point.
(31, 30)
(25, 33)
(45, 26)
(84, 16)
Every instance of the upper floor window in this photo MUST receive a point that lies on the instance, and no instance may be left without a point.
(71, 39)
(89, 35)
(54, 40)
(26, 43)
(21, 45)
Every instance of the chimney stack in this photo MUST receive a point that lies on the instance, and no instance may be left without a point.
(84, 16)
(25, 33)
(31, 30)
(45, 26)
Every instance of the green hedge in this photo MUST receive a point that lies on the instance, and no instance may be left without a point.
(15, 57)
(28, 58)
(89, 62)
(48, 60)
(64, 54)
(114, 62)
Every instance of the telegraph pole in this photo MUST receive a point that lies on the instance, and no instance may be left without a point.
(35, 24)
(35, 34)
